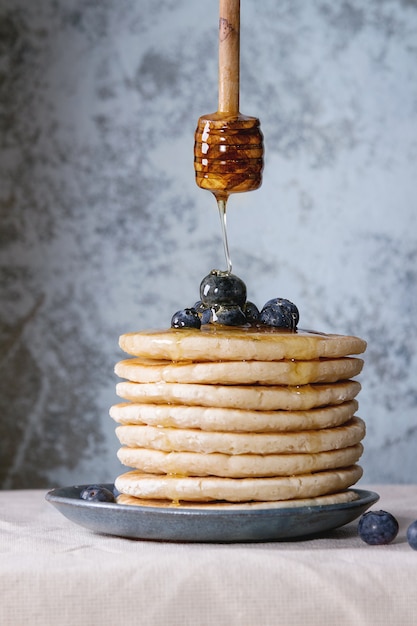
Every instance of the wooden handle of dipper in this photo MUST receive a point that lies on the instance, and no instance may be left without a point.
(229, 56)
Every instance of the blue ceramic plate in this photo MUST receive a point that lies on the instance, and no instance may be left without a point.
(204, 526)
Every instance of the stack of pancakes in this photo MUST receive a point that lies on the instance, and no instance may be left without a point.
(238, 417)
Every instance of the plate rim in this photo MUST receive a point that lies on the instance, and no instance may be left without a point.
(199, 525)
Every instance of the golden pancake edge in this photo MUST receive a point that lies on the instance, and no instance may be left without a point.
(340, 497)
(236, 466)
(225, 419)
(284, 372)
(196, 440)
(211, 343)
(252, 397)
(210, 488)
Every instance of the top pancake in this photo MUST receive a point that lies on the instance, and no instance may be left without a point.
(211, 343)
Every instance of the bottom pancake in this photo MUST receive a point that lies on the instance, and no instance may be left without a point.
(334, 498)
(209, 488)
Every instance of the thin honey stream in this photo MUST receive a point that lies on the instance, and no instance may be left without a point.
(221, 203)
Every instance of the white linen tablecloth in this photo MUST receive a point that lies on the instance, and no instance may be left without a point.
(55, 572)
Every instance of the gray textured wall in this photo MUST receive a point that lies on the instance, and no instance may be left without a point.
(104, 231)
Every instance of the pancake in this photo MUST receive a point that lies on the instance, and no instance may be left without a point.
(334, 498)
(238, 465)
(240, 372)
(195, 440)
(214, 343)
(261, 398)
(205, 489)
(214, 418)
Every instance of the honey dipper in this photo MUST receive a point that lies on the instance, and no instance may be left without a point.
(228, 148)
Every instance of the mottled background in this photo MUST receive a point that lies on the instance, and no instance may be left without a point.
(103, 229)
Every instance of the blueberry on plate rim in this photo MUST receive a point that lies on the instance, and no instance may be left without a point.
(97, 493)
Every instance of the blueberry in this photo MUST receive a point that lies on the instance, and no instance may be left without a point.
(228, 315)
(97, 493)
(412, 535)
(292, 309)
(198, 306)
(203, 312)
(274, 313)
(377, 528)
(206, 316)
(222, 288)
(186, 318)
(281, 313)
(251, 312)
